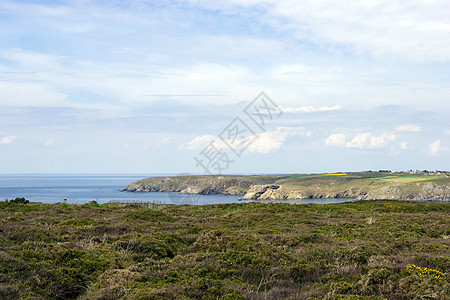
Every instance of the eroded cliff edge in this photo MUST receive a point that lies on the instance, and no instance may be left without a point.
(361, 186)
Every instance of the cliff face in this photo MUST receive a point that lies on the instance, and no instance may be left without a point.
(187, 186)
(276, 192)
(246, 187)
(266, 192)
(419, 192)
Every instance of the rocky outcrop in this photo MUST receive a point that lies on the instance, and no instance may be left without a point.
(264, 192)
(428, 191)
(414, 191)
(188, 186)
(276, 192)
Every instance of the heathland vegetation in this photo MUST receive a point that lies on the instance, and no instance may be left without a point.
(358, 250)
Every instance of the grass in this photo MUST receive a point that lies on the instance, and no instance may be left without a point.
(359, 250)
(408, 179)
(308, 184)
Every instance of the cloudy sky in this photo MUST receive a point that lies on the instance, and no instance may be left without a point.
(147, 86)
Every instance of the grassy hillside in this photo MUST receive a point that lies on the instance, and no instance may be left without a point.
(368, 180)
(360, 250)
(406, 186)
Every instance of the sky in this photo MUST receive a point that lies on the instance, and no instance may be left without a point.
(158, 86)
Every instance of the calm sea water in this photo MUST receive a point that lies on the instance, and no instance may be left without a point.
(104, 188)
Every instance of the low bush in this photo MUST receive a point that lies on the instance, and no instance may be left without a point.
(19, 201)
(235, 251)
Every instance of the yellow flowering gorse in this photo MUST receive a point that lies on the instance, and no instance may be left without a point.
(424, 271)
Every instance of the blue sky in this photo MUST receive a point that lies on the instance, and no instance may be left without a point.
(144, 86)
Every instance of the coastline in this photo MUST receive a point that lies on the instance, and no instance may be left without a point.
(358, 186)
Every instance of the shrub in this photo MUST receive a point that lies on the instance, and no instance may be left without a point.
(19, 201)
(251, 251)
(148, 215)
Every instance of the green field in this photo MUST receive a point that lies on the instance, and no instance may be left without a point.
(360, 250)
(409, 178)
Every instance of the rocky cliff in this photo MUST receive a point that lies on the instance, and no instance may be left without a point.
(283, 187)
(276, 192)
(418, 192)
(187, 185)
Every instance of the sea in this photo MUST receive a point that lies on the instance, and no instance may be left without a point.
(105, 188)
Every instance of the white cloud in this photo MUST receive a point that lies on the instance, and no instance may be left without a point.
(336, 139)
(39, 79)
(310, 109)
(164, 141)
(382, 141)
(29, 94)
(29, 59)
(301, 131)
(198, 142)
(435, 147)
(447, 132)
(404, 145)
(36, 9)
(408, 128)
(307, 74)
(361, 141)
(8, 140)
(412, 30)
(49, 142)
(152, 141)
(267, 142)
